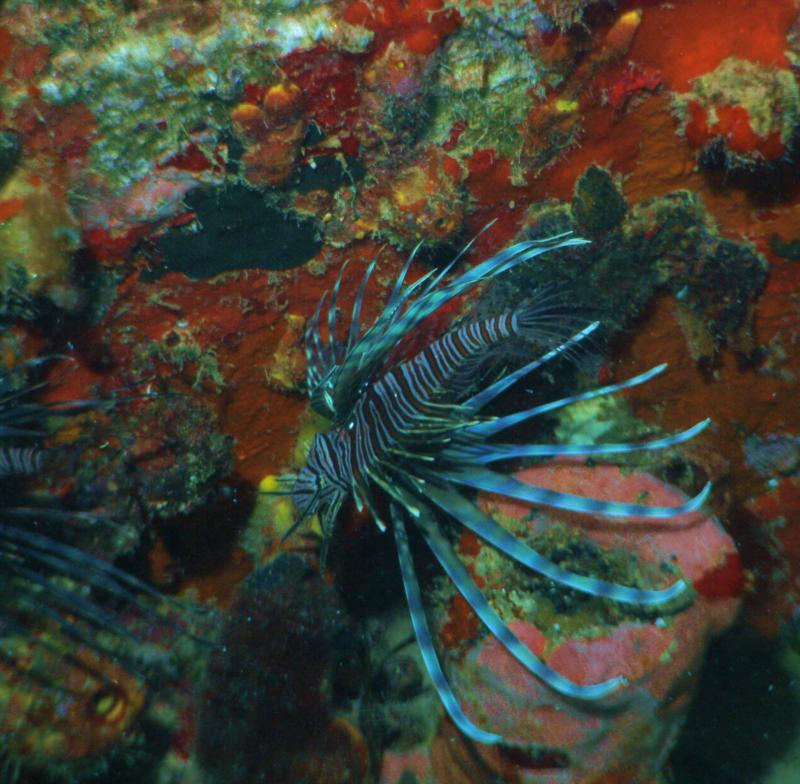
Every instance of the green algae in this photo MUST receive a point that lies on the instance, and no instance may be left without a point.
(154, 81)
(562, 613)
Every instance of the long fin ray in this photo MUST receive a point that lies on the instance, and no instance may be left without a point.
(492, 426)
(490, 453)
(373, 346)
(31, 539)
(479, 400)
(467, 514)
(466, 585)
(355, 318)
(491, 482)
(398, 284)
(332, 314)
(69, 600)
(425, 641)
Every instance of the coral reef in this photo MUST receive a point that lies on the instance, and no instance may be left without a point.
(85, 644)
(663, 244)
(742, 114)
(38, 234)
(180, 181)
(166, 459)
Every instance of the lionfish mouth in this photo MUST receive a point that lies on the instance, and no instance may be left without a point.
(406, 436)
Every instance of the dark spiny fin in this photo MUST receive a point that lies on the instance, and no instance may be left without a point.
(332, 314)
(20, 461)
(62, 560)
(354, 333)
(389, 328)
(313, 337)
(83, 560)
(66, 600)
(395, 298)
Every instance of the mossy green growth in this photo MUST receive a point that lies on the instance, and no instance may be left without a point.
(598, 204)
(488, 82)
(184, 352)
(771, 96)
(155, 81)
(562, 613)
(664, 244)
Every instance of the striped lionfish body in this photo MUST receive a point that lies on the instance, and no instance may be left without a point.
(403, 432)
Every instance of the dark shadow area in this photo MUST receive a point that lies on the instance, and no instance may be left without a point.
(200, 543)
(235, 229)
(745, 716)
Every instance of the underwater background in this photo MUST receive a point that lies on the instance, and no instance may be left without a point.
(206, 212)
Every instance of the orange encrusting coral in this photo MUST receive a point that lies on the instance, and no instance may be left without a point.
(771, 534)
(11, 207)
(95, 705)
(733, 125)
(611, 102)
(273, 130)
(420, 24)
(6, 48)
(328, 82)
(673, 41)
(687, 39)
(577, 743)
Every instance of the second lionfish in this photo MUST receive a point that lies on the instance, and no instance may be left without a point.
(405, 439)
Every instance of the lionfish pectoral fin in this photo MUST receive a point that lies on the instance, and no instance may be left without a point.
(490, 453)
(57, 596)
(424, 640)
(108, 577)
(395, 492)
(492, 426)
(491, 482)
(316, 364)
(466, 586)
(69, 629)
(453, 503)
(20, 461)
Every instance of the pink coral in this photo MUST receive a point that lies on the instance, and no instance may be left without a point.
(574, 742)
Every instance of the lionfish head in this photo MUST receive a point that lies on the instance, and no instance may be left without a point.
(318, 488)
(307, 492)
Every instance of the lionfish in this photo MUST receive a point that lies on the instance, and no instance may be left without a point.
(53, 592)
(403, 432)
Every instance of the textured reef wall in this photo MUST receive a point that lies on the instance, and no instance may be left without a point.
(181, 180)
